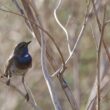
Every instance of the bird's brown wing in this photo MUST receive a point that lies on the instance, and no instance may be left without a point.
(10, 63)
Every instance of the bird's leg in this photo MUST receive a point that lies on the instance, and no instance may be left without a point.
(2, 76)
(27, 95)
(9, 76)
(8, 82)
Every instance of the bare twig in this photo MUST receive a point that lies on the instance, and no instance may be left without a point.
(92, 99)
(68, 20)
(99, 26)
(101, 29)
(104, 83)
(91, 102)
(17, 5)
(95, 11)
(98, 60)
(77, 41)
(107, 22)
(68, 92)
(47, 77)
(23, 14)
(63, 28)
(93, 34)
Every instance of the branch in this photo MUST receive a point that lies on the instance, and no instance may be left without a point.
(98, 60)
(48, 79)
(77, 41)
(105, 82)
(68, 93)
(99, 76)
(99, 26)
(62, 27)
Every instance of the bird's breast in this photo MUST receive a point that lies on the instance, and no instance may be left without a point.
(23, 62)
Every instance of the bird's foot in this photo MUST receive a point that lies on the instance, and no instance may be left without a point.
(27, 97)
(2, 76)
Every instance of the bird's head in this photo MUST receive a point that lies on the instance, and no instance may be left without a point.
(21, 48)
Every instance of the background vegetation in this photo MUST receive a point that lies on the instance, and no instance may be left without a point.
(81, 69)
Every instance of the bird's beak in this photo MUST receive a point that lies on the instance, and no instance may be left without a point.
(28, 42)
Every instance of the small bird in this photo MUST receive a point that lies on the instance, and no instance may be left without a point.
(19, 63)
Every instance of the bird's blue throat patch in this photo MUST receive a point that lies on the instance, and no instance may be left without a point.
(24, 59)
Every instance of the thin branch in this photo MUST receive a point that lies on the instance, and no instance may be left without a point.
(105, 82)
(101, 29)
(99, 26)
(78, 39)
(106, 49)
(95, 11)
(68, 93)
(94, 37)
(93, 100)
(68, 20)
(17, 5)
(76, 43)
(107, 22)
(47, 77)
(22, 13)
(98, 60)
(62, 27)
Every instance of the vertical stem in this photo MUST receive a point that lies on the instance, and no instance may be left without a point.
(99, 52)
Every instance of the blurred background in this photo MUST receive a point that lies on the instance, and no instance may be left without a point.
(81, 70)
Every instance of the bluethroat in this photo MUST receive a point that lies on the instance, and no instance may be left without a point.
(19, 63)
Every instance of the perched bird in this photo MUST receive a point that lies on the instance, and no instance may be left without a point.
(19, 63)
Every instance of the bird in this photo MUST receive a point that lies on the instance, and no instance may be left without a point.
(19, 64)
